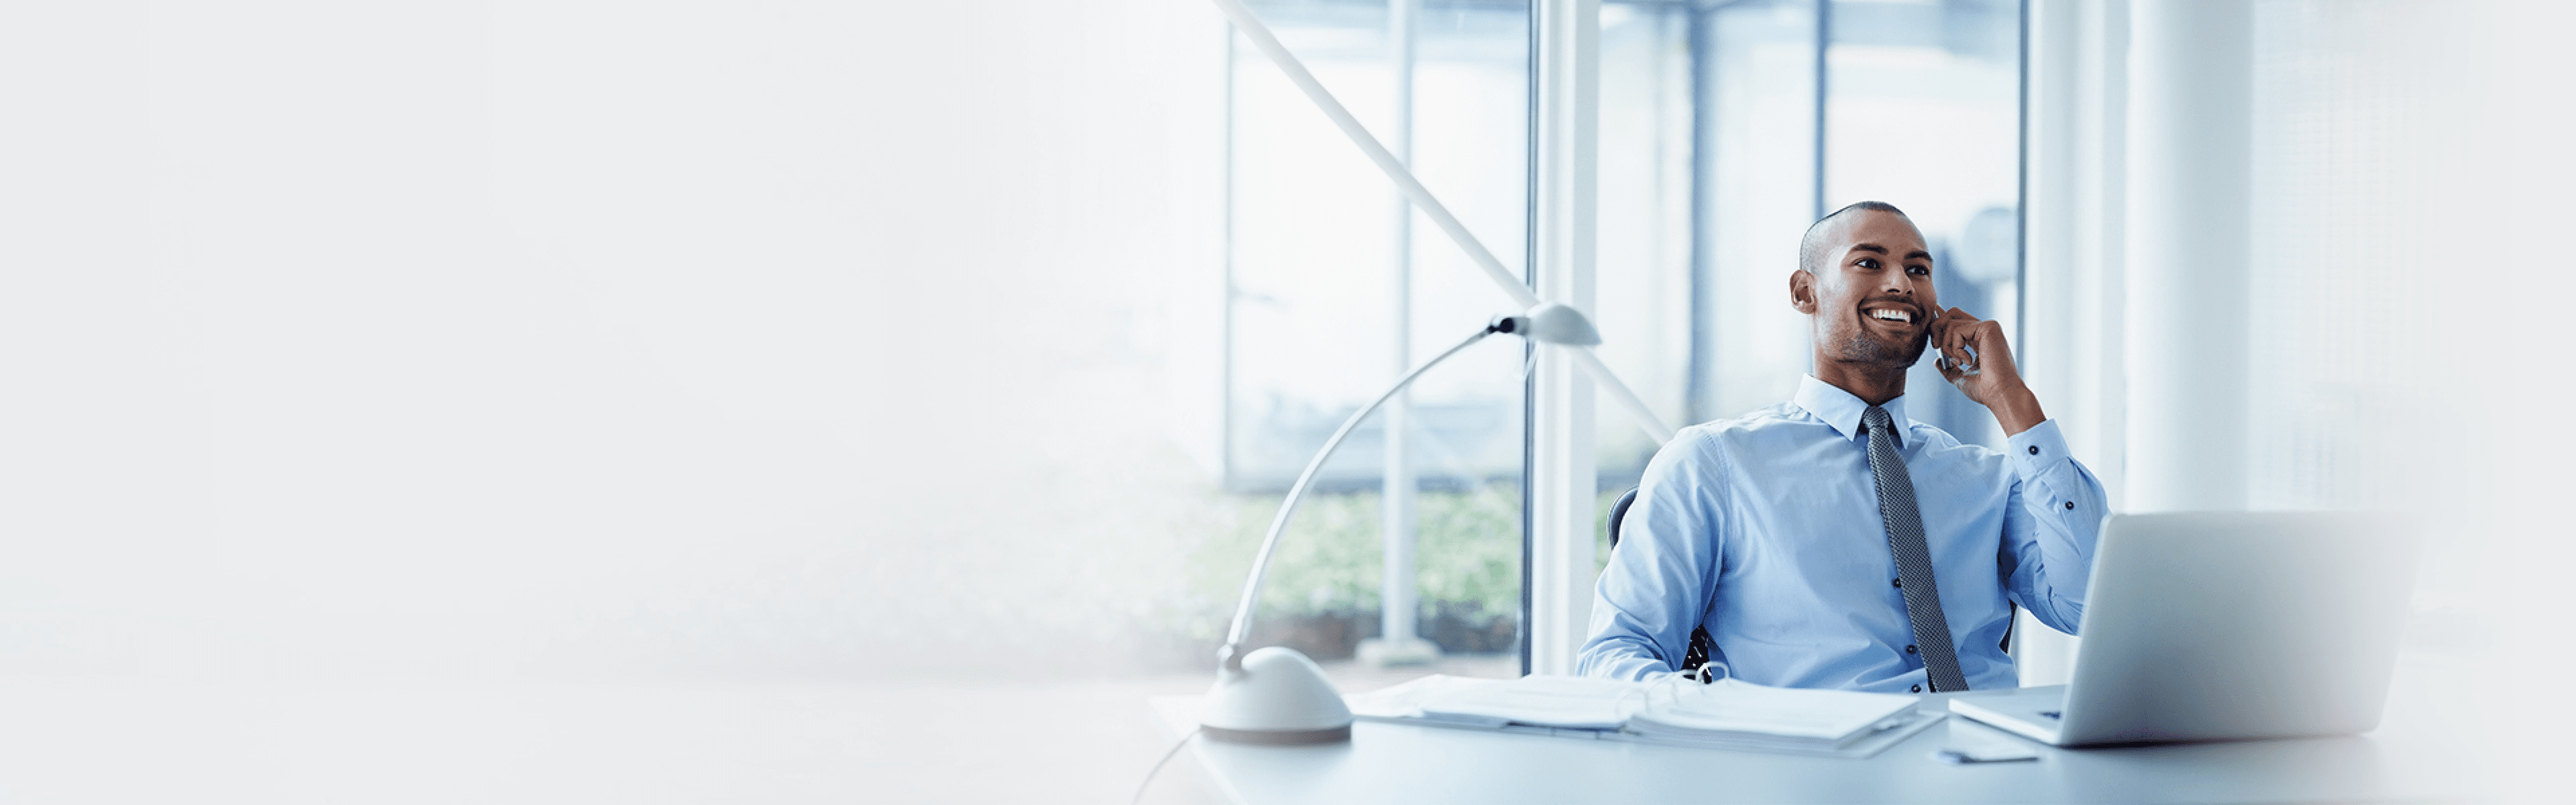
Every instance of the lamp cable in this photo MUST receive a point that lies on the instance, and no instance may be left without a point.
(1158, 767)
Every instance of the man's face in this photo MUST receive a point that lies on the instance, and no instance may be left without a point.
(1871, 298)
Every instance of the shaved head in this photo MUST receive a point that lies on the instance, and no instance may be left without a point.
(1811, 249)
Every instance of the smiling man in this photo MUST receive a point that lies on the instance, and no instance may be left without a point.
(1829, 541)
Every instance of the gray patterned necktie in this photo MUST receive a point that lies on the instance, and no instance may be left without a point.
(1913, 558)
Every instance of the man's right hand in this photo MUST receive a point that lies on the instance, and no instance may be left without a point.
(1981, 366)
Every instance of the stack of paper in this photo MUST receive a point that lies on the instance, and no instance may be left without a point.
(1398, 703)
(1562, 702)
(1739, 714)
(1725, 715)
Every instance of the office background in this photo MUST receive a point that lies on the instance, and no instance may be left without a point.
(966, 343)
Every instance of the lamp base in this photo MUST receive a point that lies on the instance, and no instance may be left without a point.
(1278, 737)
(1277, 698)
(1378, 653)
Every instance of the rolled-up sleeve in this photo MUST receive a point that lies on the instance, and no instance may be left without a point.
(2051, 526)
(1656, 587)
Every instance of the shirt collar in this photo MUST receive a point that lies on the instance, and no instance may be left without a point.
(1843, 411)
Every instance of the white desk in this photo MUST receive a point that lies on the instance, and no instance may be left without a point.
(2410, 758)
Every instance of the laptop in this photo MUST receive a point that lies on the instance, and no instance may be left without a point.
(2216, 626)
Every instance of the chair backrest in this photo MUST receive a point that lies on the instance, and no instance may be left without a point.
(1700, 643)
(1618, 512)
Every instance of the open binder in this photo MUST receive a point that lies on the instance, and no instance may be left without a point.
(1727, 714)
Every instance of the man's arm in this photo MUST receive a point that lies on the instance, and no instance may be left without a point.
(2051, 526)
(1664, 570)
(2055, 515)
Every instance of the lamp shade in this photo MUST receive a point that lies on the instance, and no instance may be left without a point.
(1553, 323)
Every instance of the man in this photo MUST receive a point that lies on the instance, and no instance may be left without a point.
(1830, 542)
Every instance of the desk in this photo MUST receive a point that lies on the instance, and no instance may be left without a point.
(2410, 758)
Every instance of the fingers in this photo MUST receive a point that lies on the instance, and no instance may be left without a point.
(1993, 350)
(1952, 330)
(1984, 344)
(1936, 334)
(1975, 357)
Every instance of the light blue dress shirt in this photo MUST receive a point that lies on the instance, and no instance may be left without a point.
(1766, 530)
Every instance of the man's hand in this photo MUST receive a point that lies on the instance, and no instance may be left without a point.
(1981, 365)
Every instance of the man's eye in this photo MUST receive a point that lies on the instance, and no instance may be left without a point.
(1867, 262)
(1918, 271)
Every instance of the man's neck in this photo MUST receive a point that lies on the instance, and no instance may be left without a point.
(1873, 384)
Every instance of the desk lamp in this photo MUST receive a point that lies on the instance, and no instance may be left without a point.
(1276, 695)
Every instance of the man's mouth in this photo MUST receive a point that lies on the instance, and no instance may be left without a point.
(1896, 315)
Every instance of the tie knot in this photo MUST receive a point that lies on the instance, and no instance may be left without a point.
(1876, 423)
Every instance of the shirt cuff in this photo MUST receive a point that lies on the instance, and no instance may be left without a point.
(2037, 450)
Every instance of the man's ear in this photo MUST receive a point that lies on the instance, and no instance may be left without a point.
(1802, 291)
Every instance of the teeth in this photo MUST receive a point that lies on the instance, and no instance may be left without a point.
(1890, 315)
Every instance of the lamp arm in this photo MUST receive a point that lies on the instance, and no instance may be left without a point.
(1228, 656)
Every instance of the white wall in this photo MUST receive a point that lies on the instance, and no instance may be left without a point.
(2388, 364)
(577, 337)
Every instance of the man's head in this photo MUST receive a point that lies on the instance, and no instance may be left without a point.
(1864, 279)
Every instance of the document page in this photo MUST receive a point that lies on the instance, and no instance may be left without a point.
(1404, 700)
(1729, 706)
(1547, 701)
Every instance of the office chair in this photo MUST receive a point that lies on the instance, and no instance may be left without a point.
(1700, 641)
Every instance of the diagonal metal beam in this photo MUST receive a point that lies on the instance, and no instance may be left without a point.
(1395, 171)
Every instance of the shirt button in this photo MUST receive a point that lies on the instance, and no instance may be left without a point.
(2070, 505)
(2034, 450)
(1918, 688)
(1909, 649)
(1896, 582)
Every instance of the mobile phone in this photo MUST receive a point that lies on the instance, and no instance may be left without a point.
(1970, 368)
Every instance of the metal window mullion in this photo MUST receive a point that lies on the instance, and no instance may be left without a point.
(1824, 45)
(1697, 401)
(1564, 471)
(2021, 181)
(1529, 351)
(1397, 597)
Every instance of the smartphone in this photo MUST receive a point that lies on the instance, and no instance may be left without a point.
(1970, 368)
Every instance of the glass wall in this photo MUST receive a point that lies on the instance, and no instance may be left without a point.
(1335, 287)
(1724, 135)
(1642, 269)
(1323, 253)
(1923, 110)
(1756, 69)
(1725, 128)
